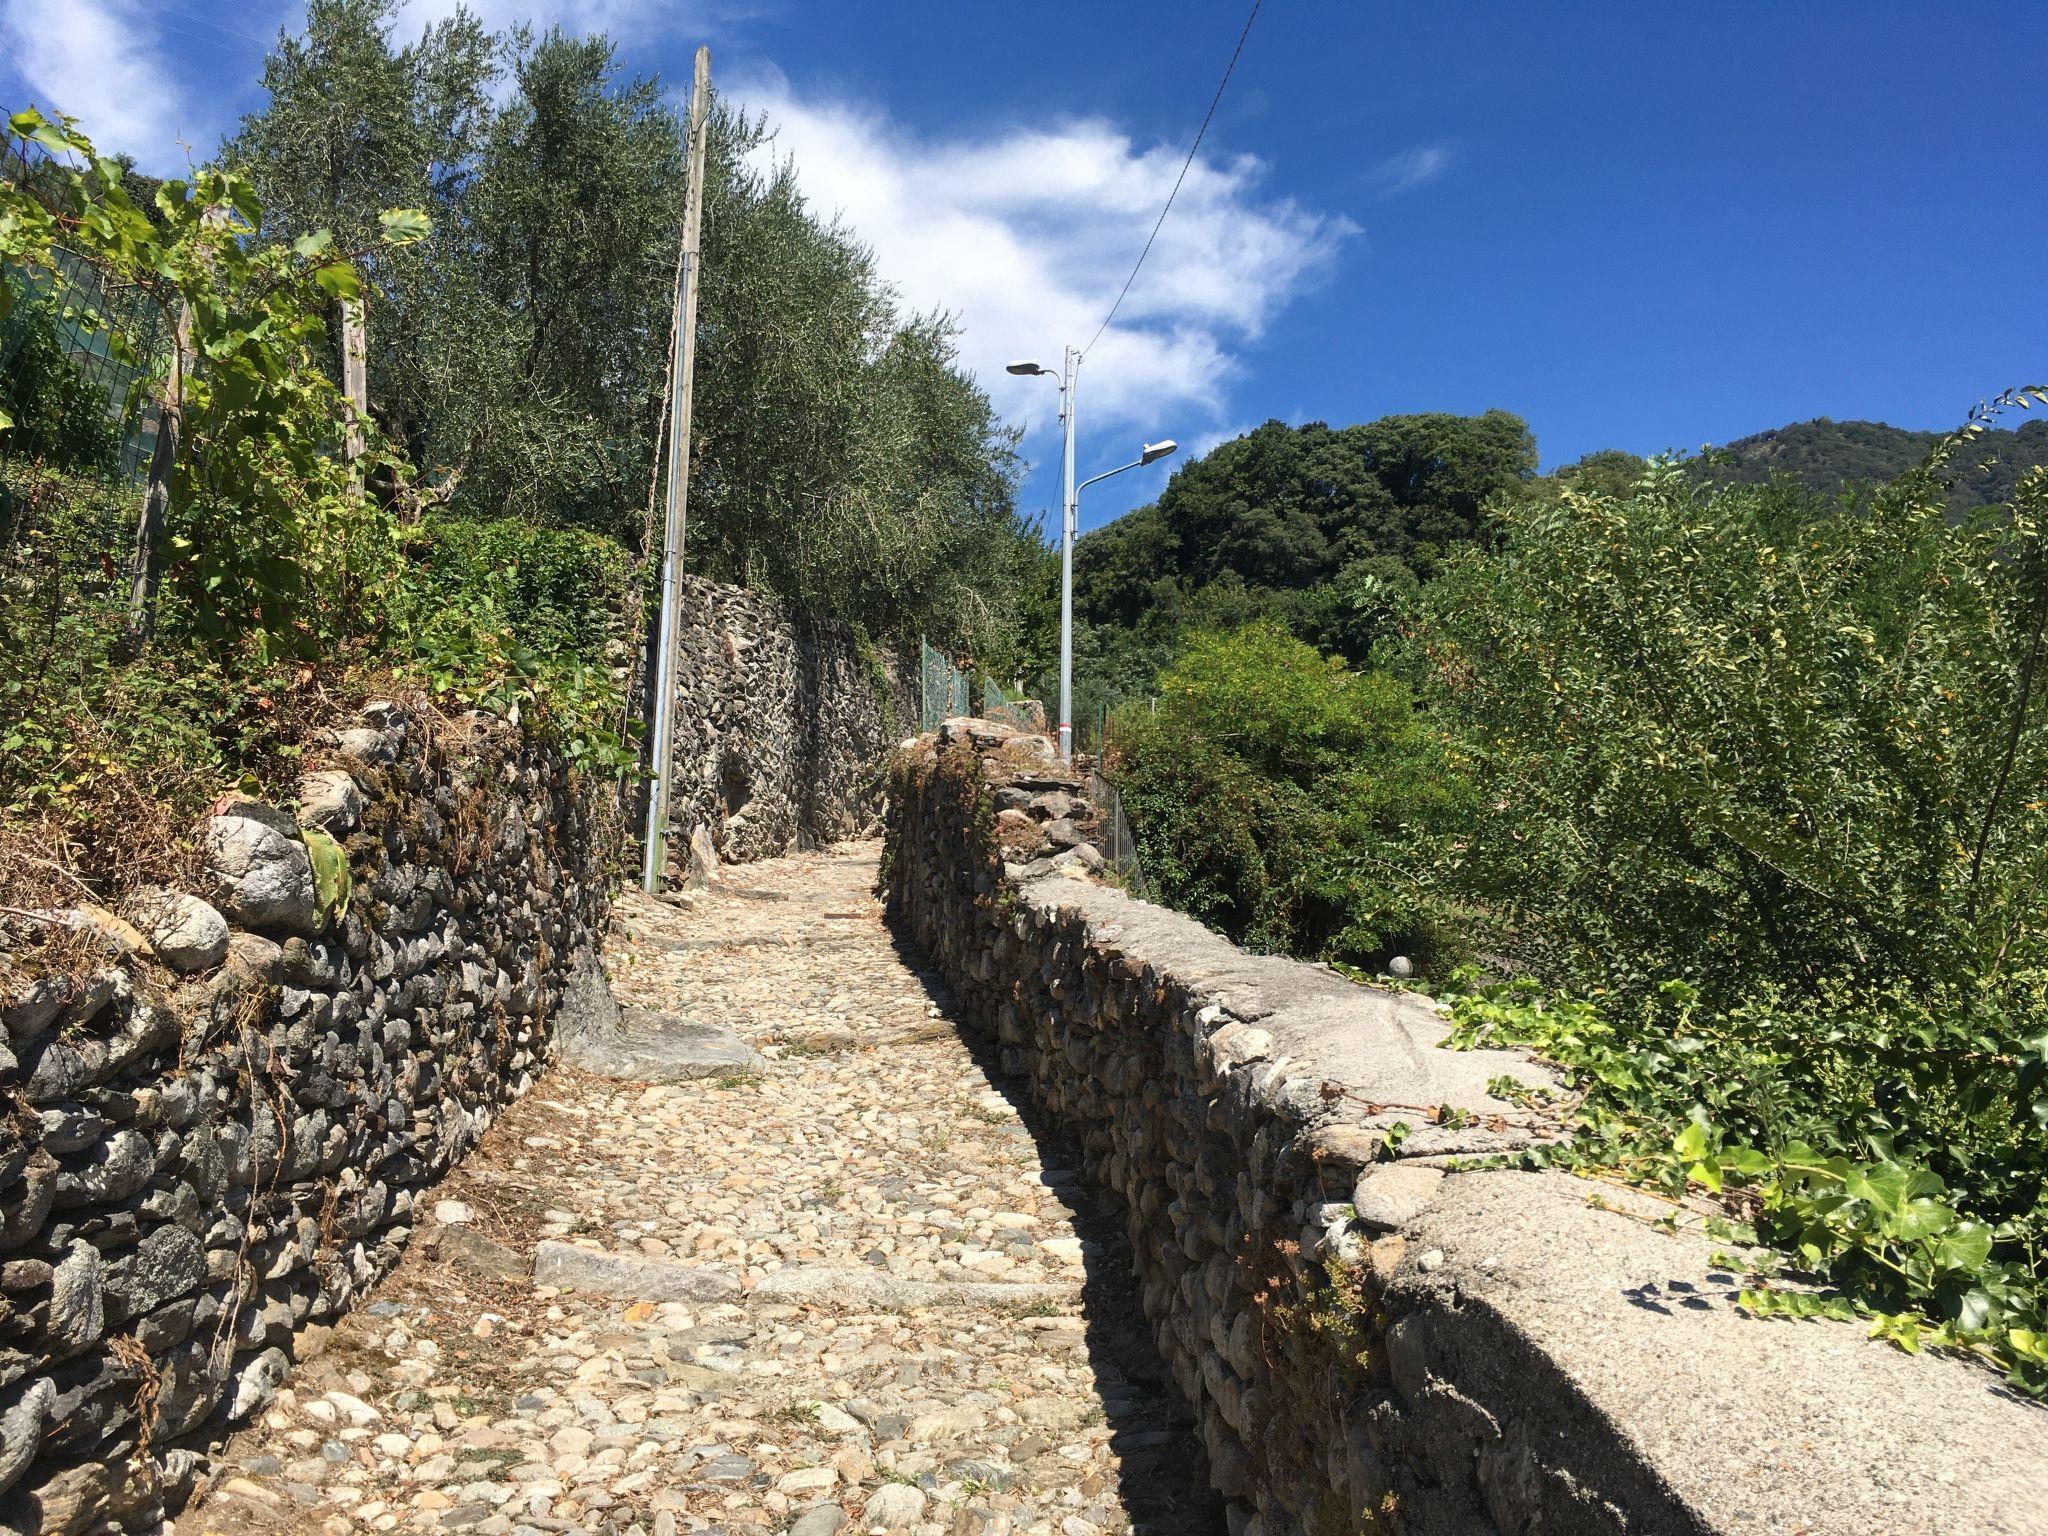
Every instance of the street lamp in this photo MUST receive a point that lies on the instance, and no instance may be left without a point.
(1070, 508)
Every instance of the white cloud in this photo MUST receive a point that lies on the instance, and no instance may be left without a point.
(1026, 235)
(111, 64)
(98, 60)
(619, 18)
(1412, 167)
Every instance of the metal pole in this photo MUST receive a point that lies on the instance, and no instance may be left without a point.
(355, 384)
(1068, 510)
(676, 523)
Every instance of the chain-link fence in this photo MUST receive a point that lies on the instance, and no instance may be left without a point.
(1016, 709)
(943, 688)
(112, 335)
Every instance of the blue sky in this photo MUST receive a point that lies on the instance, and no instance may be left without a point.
(1644, 227)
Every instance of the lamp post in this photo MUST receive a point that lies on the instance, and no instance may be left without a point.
(1070, 510)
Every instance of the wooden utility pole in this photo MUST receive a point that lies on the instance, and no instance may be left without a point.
(676, 523)
(144, 569)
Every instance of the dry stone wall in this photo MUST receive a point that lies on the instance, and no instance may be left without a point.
(214, 1142)
(1374, 1330)
(781, 721)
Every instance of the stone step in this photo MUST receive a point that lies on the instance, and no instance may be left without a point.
(629, 1277)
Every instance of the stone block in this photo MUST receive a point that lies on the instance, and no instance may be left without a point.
(262, 872)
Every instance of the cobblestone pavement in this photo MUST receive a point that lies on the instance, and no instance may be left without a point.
(869, 1168)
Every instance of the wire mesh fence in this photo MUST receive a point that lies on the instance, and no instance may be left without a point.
(1117, 843)
(943, 688)
(112, 335)
(998, 703)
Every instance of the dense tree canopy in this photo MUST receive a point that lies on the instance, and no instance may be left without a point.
(1825, 456)
(519, 355)
(1326, 530)
(1286, 508)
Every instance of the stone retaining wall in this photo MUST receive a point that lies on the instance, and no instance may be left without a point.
(214, 1142)
(781, 721)
(1371, 1337)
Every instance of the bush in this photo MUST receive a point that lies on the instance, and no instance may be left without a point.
(1750, 739)
(558, 589)
(58, 416)
(106, 759)
(1761, 777)
(519, 619)
(1290, 803)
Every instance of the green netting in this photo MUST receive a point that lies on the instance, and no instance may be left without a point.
(113, 336)
(943, 689)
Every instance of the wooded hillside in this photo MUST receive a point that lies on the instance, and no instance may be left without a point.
(1825, 455)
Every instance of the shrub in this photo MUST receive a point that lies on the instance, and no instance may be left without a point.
(1293, 804)
(1762, 776)
(557, 589)
(1746, 738)
(57, 414)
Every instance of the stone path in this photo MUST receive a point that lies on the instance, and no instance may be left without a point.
(911, 1315)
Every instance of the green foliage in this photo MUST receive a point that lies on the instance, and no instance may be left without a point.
(844, 459)
(518, 339)
(559, 589)
(115, 756)
(520, 350)
(1825, 456)
(330, 871)
(1289, 802)
(56, 414)
(270, 534)
(520, 619)
(274, 549)
(1791, 752)
(1740, 736)
(1746, 784)
(1872, 1143)
(1326, 530)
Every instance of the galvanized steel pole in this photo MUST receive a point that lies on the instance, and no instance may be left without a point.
(1067, 514)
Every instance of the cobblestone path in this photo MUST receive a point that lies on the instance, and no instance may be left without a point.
(869, 1184)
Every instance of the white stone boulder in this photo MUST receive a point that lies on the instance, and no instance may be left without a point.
(262, 872)
(379, 737)
(893, 1507)
(702, 869)
(187, 933)
(330, 799)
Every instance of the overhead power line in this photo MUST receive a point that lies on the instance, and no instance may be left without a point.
(1228, 69)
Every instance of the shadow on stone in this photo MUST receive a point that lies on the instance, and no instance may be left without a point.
(1163, 1475)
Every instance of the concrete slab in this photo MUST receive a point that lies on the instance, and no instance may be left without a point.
(1383, 1044)
(618, 1274)
(1514, 1279)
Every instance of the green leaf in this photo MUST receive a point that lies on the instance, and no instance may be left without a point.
(405, 226)
(340, 280)
(1884, 1188)
(1967, 1247)
(1920, 1219)
(313, 243)
(330, 872)
(32, 125)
